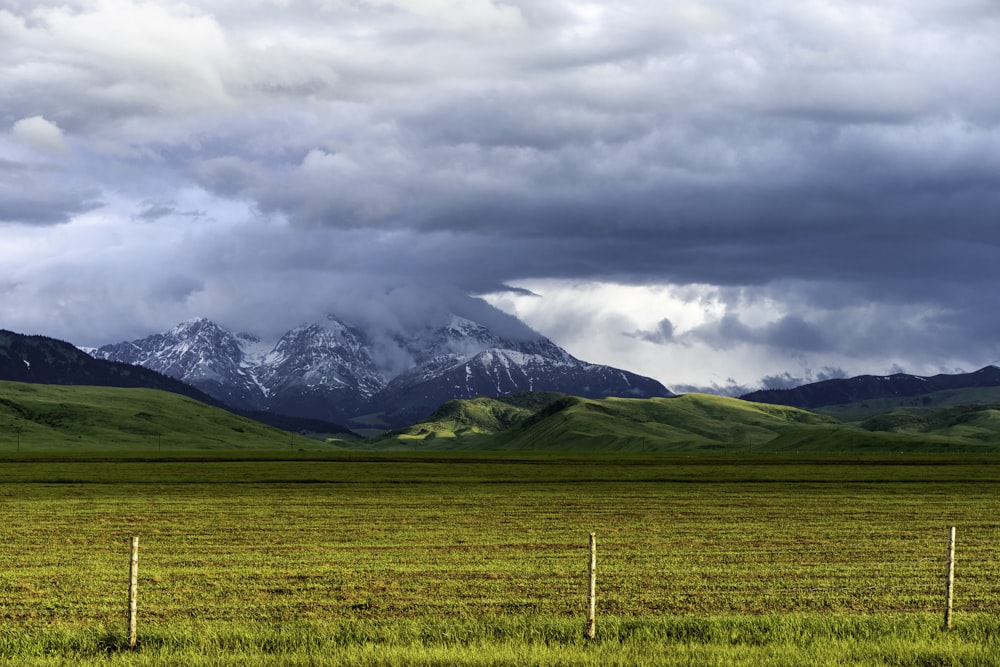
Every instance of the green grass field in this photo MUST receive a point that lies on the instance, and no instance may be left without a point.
(480, 559)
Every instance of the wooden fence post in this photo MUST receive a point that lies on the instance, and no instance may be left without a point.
(591, 630)
(133, 588)
(949, 584)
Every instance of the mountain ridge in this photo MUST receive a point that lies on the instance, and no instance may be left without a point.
(842, 391)
(330, 370)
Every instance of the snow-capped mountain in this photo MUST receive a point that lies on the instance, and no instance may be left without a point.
(202, 354)
(327, 370)
(319, 370)
(464, 360)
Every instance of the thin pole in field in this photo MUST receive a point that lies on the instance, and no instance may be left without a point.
(591, 630)
(133, 589)
(949, 584)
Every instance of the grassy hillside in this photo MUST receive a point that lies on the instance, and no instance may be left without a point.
(692, 422)
(976, 423)
(481, 416)
(35, 417)
(940, 399)
(613, 424)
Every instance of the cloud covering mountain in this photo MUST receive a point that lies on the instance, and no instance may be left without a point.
(707, 192)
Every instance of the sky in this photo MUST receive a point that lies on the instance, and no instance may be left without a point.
(721, 195)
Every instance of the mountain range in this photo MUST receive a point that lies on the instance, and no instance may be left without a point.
(332, 371)
(326, 372)
(841, 391)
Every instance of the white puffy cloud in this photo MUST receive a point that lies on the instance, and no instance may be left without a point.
(114, 57)
(40, 134)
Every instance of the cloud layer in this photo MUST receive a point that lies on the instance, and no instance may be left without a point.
(791, 186)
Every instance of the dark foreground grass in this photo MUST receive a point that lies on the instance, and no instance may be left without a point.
(472, 561)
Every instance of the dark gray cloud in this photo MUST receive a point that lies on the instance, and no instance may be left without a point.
(34, 195)
(151, 211)
(826, 172)
(661, 335)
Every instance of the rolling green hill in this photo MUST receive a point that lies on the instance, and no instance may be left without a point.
(37, 417)
(695, 421)
(974, 422)
(475, 417)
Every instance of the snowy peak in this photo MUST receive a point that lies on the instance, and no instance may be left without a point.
(196, 349)
(199, 352)
(323, 354)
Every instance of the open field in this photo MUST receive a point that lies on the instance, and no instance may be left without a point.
(461, 559)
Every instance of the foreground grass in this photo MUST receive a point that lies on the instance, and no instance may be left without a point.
(791, 639)
(469, 560)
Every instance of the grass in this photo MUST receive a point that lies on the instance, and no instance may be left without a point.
(724, 640)
(479, 558)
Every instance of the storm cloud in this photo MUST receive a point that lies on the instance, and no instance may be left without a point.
(712, 193)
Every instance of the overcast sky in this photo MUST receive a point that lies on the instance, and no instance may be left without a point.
(711, 193)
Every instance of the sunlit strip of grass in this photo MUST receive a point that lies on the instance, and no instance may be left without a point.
(781, 639)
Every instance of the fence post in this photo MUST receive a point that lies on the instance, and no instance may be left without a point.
(949, 584)
(591, 630)
(133, 588)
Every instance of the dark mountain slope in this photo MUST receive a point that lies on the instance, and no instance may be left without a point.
(43, 360)
(869, 387)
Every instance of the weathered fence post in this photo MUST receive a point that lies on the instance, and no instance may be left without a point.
(133, 588)
(949, 583)
(591, 630)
